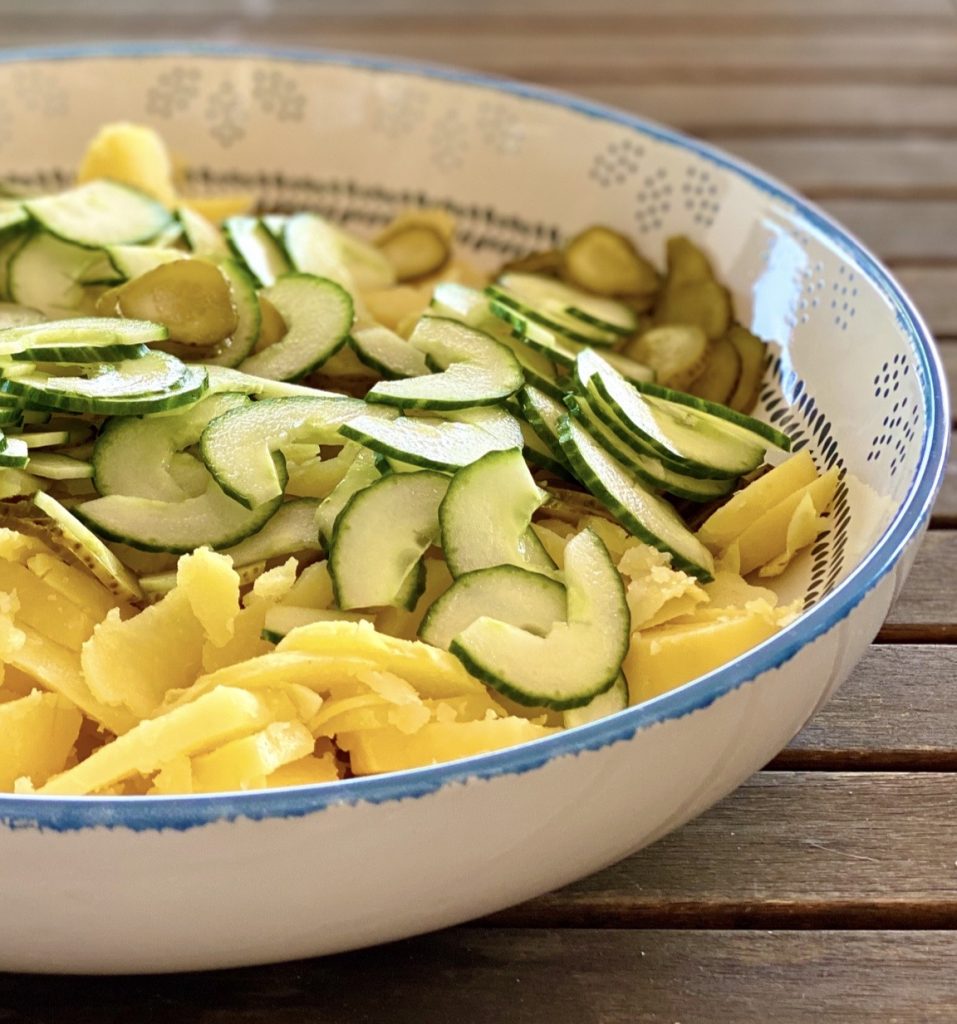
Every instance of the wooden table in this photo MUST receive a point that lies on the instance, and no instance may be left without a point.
(825, 889)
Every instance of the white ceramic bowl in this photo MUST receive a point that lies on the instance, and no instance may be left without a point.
(156, 884)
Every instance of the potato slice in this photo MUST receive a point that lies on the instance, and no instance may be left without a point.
(44, 608)
(220, 716)
(307, 771)
(132, 154)
(38, 734)
(211, 586)
(216, 209)
(246, 762)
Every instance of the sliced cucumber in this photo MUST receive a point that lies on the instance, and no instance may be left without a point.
(317, 247)
(130, 387)
(245, 300)
(14, 453)
(486, 515)
(224, 378)
(388, 353)
(130, 261)
(256, 248)
(605, 704)
(549, 296)
(135, 457)
(634, 373)
(318, 315)
(543, 414)
(290, 531)
(202, 236)
(381, 536)
(66, 532)
(578, 658)
(99, 213)
(535, 336)
(704, 448)
(54, 466)
(539, 454)
(85, 339)
(13, 217)
(528, 600)
(646, 468)
(238, 447)
(475, 369)
(46, 273)
(642, 513)
(557, 320)
(433, 443)
(212, 518)
(361, 473)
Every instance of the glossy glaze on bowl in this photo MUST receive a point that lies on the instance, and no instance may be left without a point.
(210, 881)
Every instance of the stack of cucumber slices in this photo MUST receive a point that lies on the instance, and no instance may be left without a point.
(142, 434)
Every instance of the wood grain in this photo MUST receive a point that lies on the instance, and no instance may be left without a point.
(928, 595)
(948, 354)
(822, 849)
(945, 510)
(491, 976)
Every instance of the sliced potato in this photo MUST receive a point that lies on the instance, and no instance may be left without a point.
(132, 154)
(38, 731)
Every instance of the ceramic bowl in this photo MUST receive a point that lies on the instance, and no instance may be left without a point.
(160, 884)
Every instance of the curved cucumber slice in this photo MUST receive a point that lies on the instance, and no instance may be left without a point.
(362, 472)
(256, 248)
(14, 453)
(486, 516)
(291, 530)
(202, 236)
(647, 468)
(242, 291)
(224, 378)
(543, 414)
(674, 431)
(46, 274)
(238, 447)
(507, 593)
(133, 456)
(53, 466)
(381, 536)
(550, 297)
(475, 369)
(317, 247)
(387, 352)
(130, 261)
(212, 518)
(554, 318)
(539, 338)
(157, 381)
(579, 658)
(100, 213)
(642, 513)
(66, 340)
(605, 704)
(318, 314)
(434, 443)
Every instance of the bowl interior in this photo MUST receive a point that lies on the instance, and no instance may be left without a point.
(358, 140)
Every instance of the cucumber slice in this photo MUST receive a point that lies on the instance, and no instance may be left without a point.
(11, 416)
(381, 536)
(634, 373)
(47, 438)
(388, 353)
(486, 515)
(46, 274)
(14, 453)
(66, 532)
(157, 381)
(548, 296)
(644, 515)
(318, 315)
(238, 447)
(245, 300)
(317, 247)
(84, 339)
(135, 457)
(578, 658)
(202, 236)
(605, 704)
(99, 213)
(224, 378)
(569, 328)
(719, 378)
(475, 369)
(543, 414)
(535, 336)
(669, 430)
(646, 468)
(283, 618)
(433, 443)
(256, 249)
(539, 454)
(12, 217)
(507, 593)
(211, 518)
(362, 472)
(53, 466)
(130, 261)
(291, 530)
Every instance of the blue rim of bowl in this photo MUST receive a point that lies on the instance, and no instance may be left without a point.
(185, 812)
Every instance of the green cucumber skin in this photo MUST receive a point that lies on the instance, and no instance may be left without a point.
(598, 490)
(579, 336)
(75, 354)
(242, 288)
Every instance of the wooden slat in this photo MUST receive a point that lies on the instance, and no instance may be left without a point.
(928, 593)
(489, 976)
(898, 710)
(788, 849)
(934, 291)
(902, 230)
(945, 510)
(948, 354)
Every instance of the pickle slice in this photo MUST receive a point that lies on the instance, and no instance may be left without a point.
(720, 375)
(607, 263)
(687, 264)
(546, 261)
(751, 352)
(676, 352)
(414, 250)
(706, 304)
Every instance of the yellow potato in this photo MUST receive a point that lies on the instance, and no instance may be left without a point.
(391, 306)
(174, 777)
(74, 584)
(217, 208)
(743, 509)
(313, 588)
(803, 529)
(246, 762)
(404, 624)
(389, 749)
(38, 734)
(45, 609)
(307, 771)
(211, 586)
(212, 720)
(134, 155)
